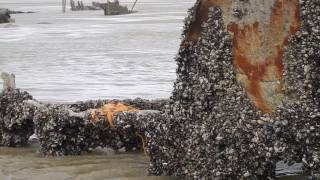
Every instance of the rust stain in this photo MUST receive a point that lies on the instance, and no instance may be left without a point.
(258, 48)
(250, 43)
(109, 110)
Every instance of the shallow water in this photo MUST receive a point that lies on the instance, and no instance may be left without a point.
(26, 164)
(101, 164)
(86, 55)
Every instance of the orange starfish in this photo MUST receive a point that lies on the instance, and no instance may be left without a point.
(110, 110)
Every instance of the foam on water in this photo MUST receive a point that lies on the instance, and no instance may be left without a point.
(15, 33)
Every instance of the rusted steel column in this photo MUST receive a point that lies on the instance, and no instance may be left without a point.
(246, 94)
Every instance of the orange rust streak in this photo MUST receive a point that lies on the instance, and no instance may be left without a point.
(247, 39)
(258, 48)
(111, 109)
(242, 42)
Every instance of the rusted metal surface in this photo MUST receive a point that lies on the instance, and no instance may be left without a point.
(258, 46)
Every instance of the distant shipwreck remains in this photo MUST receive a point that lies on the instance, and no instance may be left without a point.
(4, 16)
(109, 8)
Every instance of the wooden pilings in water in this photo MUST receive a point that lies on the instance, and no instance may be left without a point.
(134, 4)
(64, 4)
(109, 8)
(77, 7)
(114, 8)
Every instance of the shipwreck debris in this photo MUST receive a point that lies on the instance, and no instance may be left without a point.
(246, 97)
(109, 8)
(114, 8)
(5, 16)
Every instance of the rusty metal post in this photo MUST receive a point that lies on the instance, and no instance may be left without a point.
(134, 4)
(64, 4)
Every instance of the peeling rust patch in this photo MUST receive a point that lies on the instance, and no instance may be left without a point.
(258, 51)
(258, 47)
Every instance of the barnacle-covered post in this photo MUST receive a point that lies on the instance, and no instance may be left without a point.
(246, 94)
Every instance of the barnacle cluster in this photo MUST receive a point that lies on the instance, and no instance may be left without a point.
(210, 128)
(72, 129)
(67, 129)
